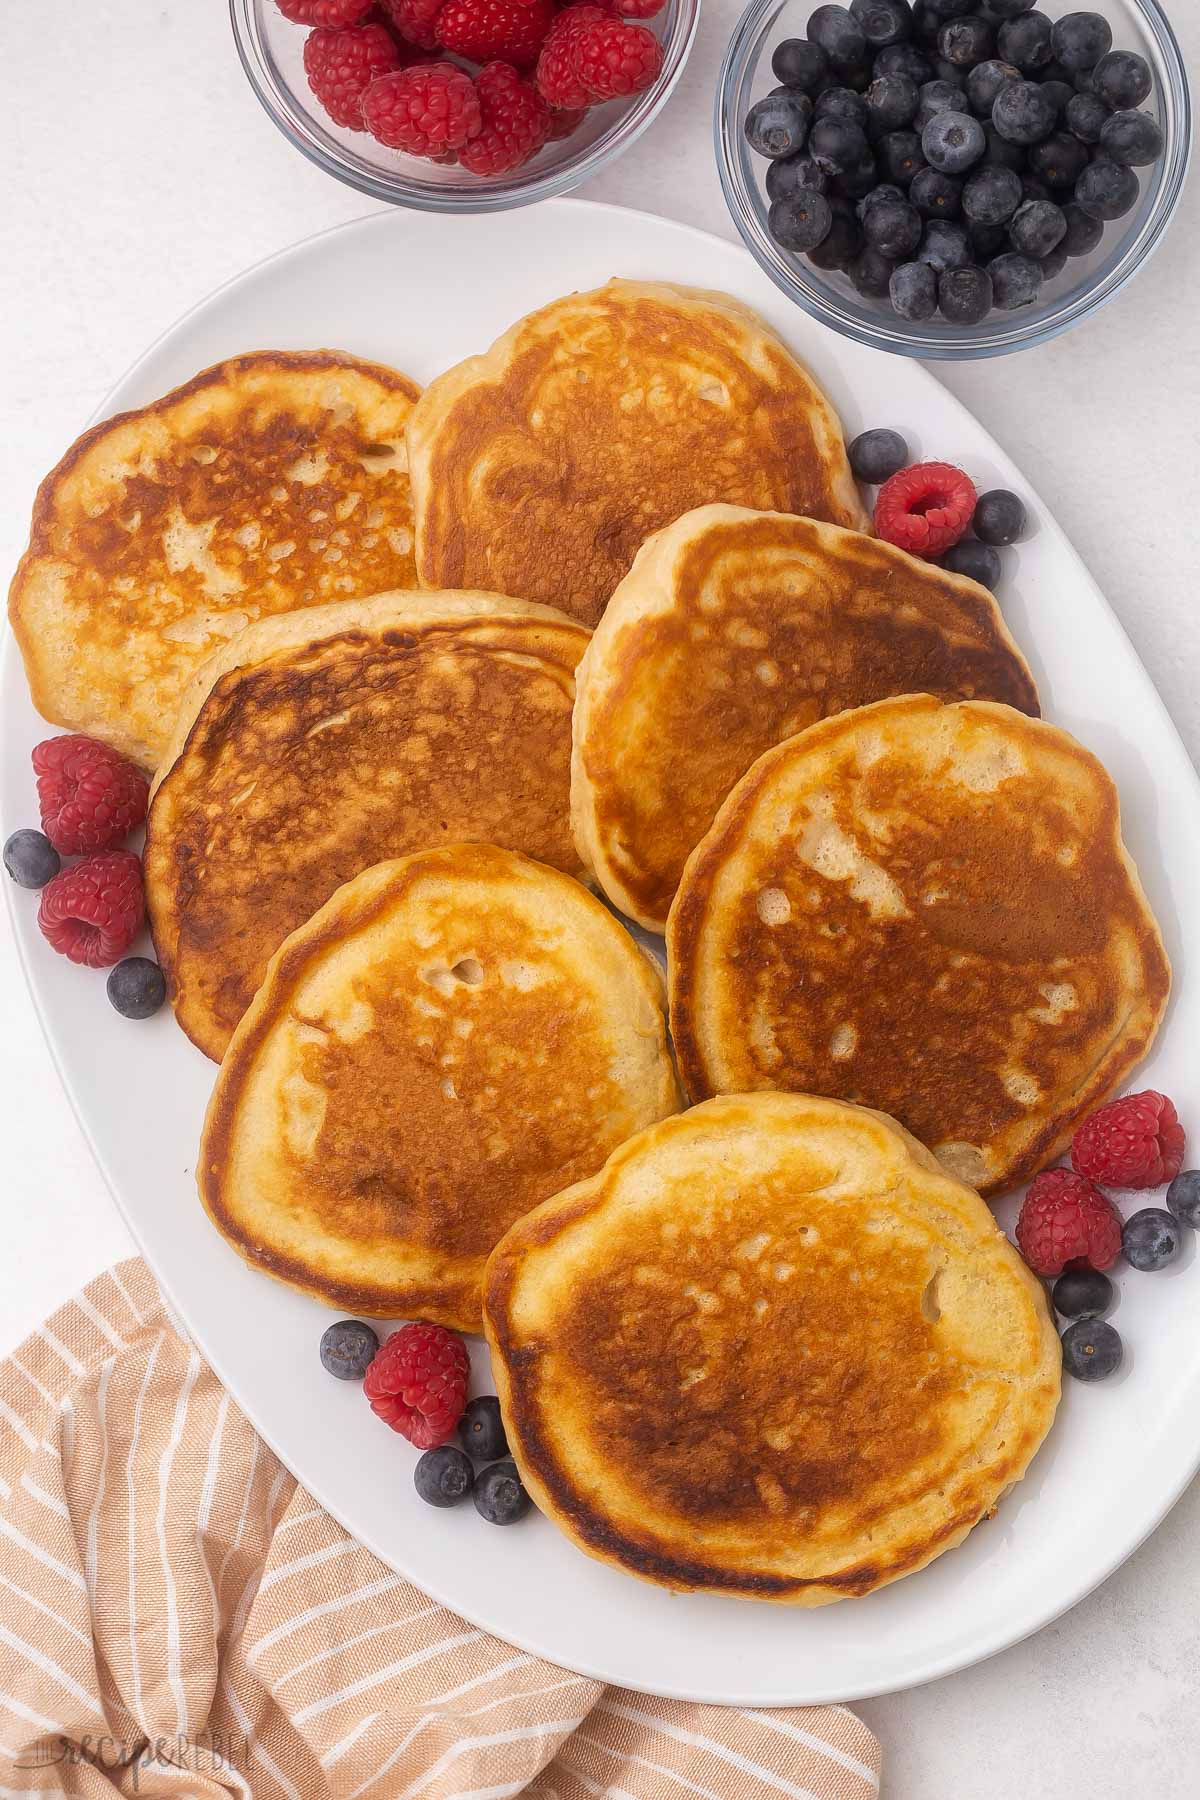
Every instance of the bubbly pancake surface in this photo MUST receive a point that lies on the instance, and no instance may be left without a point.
(733, 630)
(333, 738)
(771, 1349)
(541, 467)
(272, 481)
(929, 909)
(453, 1037)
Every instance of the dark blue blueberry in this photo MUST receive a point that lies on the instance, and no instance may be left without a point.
(944, 246)
(986, 240)
(1183, 1198)
(1025, 42)
(1000, 154)
(936, 196)
(900, 156)
(842, 103)
(894, 227)
(839, 35)
(1083, 232)
(1062, 94)
(882, 22)
(777, 125)
(1082, 1293)
(1058, 160)
(1080, 39)
(984, 83)
(1032, 189)
(800, 222)
(966, 41)
(1132, 139)
(883, 190)
(844, 242)
(1053, 264)
(913, 291)
(937, 97)
(877, 455)
(999, 517)
(1008, 9)
(1086, 118)
(348, 1348)
(857, 182)
(799, 64)
(991, 195)
(892, 101)
(1022, 113)
(787, 175)
(1036, 228)
(500, 1496)
(1082, 79)
(979, 562)
(965, 295)
(1091, 1350)
(837, 146)
(1016, 280)
(953, 142)
(1105, 189)
(949, 9)
(1150, 1239)
(904, 59)
(1122, 79)
(444, 1477)
(950, 73)
(137, 987)
(481, 1429)
(871, 273)
(31, 859)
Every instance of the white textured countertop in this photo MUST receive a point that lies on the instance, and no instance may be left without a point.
(139, 174)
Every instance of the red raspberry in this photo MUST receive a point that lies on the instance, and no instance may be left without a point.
(510, 31)
(324, 12)
(89, 797)
(92, 911)
(1066, 1221)
(414, 20)
(516, 122)
(926, 508)
(425, 110)
(613, 59)
(1134, 1142)
(417, 1383)
(558, 81)
(635, 9)
(341, 65)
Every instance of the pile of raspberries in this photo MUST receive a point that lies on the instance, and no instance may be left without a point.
(384, 66)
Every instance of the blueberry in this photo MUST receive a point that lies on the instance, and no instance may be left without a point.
(1082, 81)
(1083, 232)
(1016, 280)
(348, 1348)
(871, 273)
(883, 190)
(1183, 1197)
(1009, 9)
(1091, 1350)
(444, 1477)
(977, 561)
(799, 64)
(31, 859)
(842, 103)
(1022, 113)
(1082, 1293)
(949, 9)
(1036, 228)
(1000, 154)
(904, 59)
(936, 97)
(936, 196)
(913, 291)
(949, 73)
(837, 146)
(856, 183)
(966, 41)
(953, 142)
(1105, 189)
(1025, 42)
(1086, 117)
(984, 83)
(1122, 79)
(1061, 92)
(877, 455)
(789, 175)
(777, 125)
(1053, 264)
(926, 24)
(892, 101)
(999, 517)
(986, 241)
(991, 195)
(965, 295)
(894, 228)
(944, 246)
(844, 242)
(801, 221)
(1080, 39)
(500, 1496)
(1132, 139)
(1150, 1239)
(840, 36)
(882, 22)
(900, 156)
(481, 1429)
(1058, 160)
(137, 987)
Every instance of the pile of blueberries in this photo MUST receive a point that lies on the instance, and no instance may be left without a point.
(951, 154)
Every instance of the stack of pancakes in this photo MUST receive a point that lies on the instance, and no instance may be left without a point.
(423, 681)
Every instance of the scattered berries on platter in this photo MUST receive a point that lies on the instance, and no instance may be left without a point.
(481, 1429)
(500, 1496)
(90, 798)
(1082, 1294)
(979, 562)
(348, 1349)
(342, 64)
(925, 508)
(1151, 1239)
(1091, 1350)
(417, 1383)
(31, 859)
(1064, 1219)
(1183, 1198)
(444, 1477)
(136, 987)
(999, 517)
(93, 910)
(877, 455)
(1134, 1142)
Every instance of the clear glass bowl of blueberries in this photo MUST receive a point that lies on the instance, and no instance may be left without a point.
(952, 178)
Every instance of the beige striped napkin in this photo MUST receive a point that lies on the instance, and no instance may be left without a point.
(179, 1618)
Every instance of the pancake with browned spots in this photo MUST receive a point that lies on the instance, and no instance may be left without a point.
(541, 467)
(734, 630)
(273, 481)
(927, 908)
(452, 1038)
(772, 1349)
(326, 740)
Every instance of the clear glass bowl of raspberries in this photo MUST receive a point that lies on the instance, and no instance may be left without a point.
(952, 178)
(463, 105)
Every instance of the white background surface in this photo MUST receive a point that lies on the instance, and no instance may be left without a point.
(139, 174)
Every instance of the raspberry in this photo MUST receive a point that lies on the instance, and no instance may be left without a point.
(92, 911)
(90, 798)
(613, 59)
(926, 508)
(414, 20)
(341, 65)
(516, 122)
(1135, 1142)
(635, 9)
(324, 12)
(417, 1383)
(557, 79)
(1065, 1222)
(510, 31)
(425, 110)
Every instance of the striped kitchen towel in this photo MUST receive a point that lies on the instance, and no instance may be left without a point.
(179, 1618)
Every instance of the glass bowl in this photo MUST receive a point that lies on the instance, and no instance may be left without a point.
(272, 50)
(1083, 286)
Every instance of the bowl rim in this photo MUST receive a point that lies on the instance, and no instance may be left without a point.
(910, 340)
(290, 117)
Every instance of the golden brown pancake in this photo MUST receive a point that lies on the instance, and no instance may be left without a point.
(453, 1037)
(732, 631)
(772, 1349)
(326, 740)
(541, 467)
(272, 481)
(927, 908)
